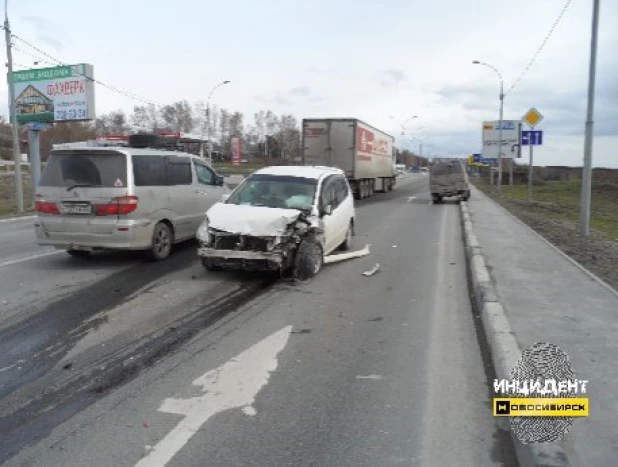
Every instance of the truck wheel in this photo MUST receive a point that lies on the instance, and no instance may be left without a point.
(162, 239)
(309, 260)
(209, 265)
(349, 238)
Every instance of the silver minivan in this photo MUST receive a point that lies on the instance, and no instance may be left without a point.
(123, 198)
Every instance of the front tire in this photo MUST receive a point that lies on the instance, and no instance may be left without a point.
(437, 199)
(309, 260)
(162, 239)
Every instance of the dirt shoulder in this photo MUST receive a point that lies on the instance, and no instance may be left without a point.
(555, 219)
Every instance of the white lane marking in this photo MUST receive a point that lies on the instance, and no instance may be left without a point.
(14, 219)
(234, 384)
(377, 377)
(411, 198)
(28, 258)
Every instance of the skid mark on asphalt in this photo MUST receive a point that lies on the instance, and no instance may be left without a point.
(235, 384)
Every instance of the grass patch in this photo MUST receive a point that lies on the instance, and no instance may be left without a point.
(561, 201)
(8, 206)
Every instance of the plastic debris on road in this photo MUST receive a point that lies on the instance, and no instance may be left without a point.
(343, 256)
(372, 271)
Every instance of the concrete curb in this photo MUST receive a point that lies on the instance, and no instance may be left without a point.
(503, 345)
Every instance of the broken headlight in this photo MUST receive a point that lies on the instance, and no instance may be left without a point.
(202, 232)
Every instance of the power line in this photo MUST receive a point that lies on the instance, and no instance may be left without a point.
(55, 61)
(538, 51)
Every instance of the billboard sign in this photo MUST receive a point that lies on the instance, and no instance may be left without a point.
(236, 148)
(511, 139)
(58, 94)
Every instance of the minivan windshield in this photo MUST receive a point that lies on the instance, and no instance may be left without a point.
(276, 191)
(85, 168)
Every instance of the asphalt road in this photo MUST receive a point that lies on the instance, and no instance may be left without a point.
(111, 360)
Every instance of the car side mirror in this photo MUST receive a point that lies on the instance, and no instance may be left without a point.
(225, 197)
(220, 180)
(328, 210)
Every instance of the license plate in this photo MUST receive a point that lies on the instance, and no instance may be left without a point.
(76, 209)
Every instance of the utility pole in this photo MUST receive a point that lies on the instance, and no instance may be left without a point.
(19, 190)
(500, 135)
(476, 62)
(587, 170)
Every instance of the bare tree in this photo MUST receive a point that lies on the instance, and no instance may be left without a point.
(289, 135)
(145, 119)
(236, 125)
(224, 127)
(178, 117)
(112, 123)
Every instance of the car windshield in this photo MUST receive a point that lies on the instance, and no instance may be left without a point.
(85, 168)
(276, 191)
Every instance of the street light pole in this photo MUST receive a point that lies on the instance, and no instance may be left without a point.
(587, 169)
(476, 62)
(208, 119)
(19, 190)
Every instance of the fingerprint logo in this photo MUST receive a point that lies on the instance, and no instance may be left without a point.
(540, 362)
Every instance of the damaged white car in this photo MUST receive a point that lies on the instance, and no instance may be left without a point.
(283, 219)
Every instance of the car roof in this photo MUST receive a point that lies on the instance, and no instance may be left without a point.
(314, 172)
(127, 150)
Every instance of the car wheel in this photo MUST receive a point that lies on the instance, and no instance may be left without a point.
(349, 238)
(79, 253)
(162, 240)
(209, 265)
(437, 199)
(308, 261)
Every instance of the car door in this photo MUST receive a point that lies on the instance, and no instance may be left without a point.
(333, 235)
(179, 181)
(341, 213)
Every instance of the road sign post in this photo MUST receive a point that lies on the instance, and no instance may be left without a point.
(532, 118)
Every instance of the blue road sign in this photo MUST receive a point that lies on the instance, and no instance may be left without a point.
(532, 138)
(37, 126)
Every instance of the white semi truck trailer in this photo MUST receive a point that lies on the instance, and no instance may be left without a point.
(363, 152)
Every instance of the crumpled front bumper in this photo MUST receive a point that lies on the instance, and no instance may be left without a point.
(242, 259)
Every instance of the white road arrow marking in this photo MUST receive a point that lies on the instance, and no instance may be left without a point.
(235, 384)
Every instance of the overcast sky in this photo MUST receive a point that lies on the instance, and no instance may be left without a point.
(367, 59)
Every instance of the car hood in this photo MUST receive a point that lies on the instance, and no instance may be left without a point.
(251, 220)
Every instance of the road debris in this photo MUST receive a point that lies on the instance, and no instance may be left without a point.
(372, 271)
(343, 256)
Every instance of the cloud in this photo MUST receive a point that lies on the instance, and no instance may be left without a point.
(45, 30)
(300, 91)
(391, 78)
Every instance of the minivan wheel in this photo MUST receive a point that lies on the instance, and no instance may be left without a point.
(161, 242)
(349, 238)
(308, 261)
(79, 253)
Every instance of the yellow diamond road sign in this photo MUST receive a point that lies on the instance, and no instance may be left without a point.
(533, 117)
